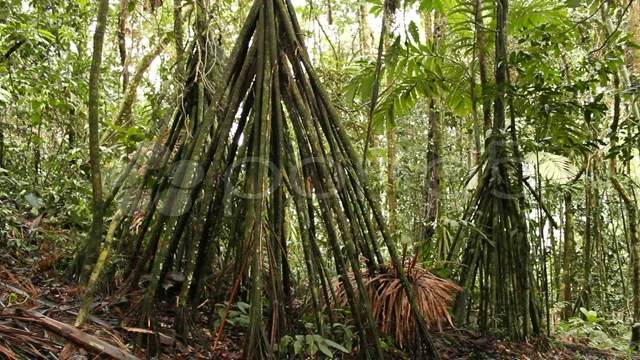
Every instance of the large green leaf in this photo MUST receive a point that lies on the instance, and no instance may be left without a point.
(554, 168)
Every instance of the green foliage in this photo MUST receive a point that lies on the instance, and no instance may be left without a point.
(591, 317)
(525, 14)
(340, 338)
(600, 333)
(238, 314)
(310, 345)
(552, 167)
(130, 137)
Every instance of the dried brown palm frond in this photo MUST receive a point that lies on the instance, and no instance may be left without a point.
(391, 307)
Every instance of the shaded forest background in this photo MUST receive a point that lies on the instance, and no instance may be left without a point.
(234, 164)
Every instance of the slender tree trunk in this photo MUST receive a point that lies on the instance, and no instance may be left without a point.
(178, 35)
(432, 188)
(556, 254)
(92, 285)
(366, 40)
(569, 247)
(178, 31)
(392, 187)
(391, 134)
(474, 114)
(632, 213)
(370, 138)
(569, 251)
(122, 43)
(388, 18)
(71, 132)
(92, 247)
(585, 296)
(634, 28)
(501, 66)
(481, 48)
(586, 267)
(598, 246)
(624, 71)
(1, 146)
(36, 157)
(433, 173)
(122, 116)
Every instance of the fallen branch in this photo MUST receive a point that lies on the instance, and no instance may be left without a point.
(25, 340)
(53, 306)
(10, 354)
(75, 335)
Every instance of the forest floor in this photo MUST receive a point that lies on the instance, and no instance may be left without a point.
(38, 308)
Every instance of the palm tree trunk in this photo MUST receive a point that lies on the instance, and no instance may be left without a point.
(634, 28)
(392, 187)
(92, 247)
(481, 48)
(569, 251)
(122, 44)
(366, 40)
(433, 173)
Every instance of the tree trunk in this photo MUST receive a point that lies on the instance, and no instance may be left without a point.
(36, 156)
(632, 213)
(178, 31)
(507, 286)
(122, 117)
(92, 286)
(634, 28)
(433, 176)
(366, 40)
(624, 71)
(569, 251)
(392, 187)
(1, 146)
(586, 268)
(122, 43)
(474, 114)
(481, 48)
(94, 239)
(391, 133)
(432, 188)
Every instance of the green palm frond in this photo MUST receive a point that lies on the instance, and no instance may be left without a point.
(527, 13)
(554, 168)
